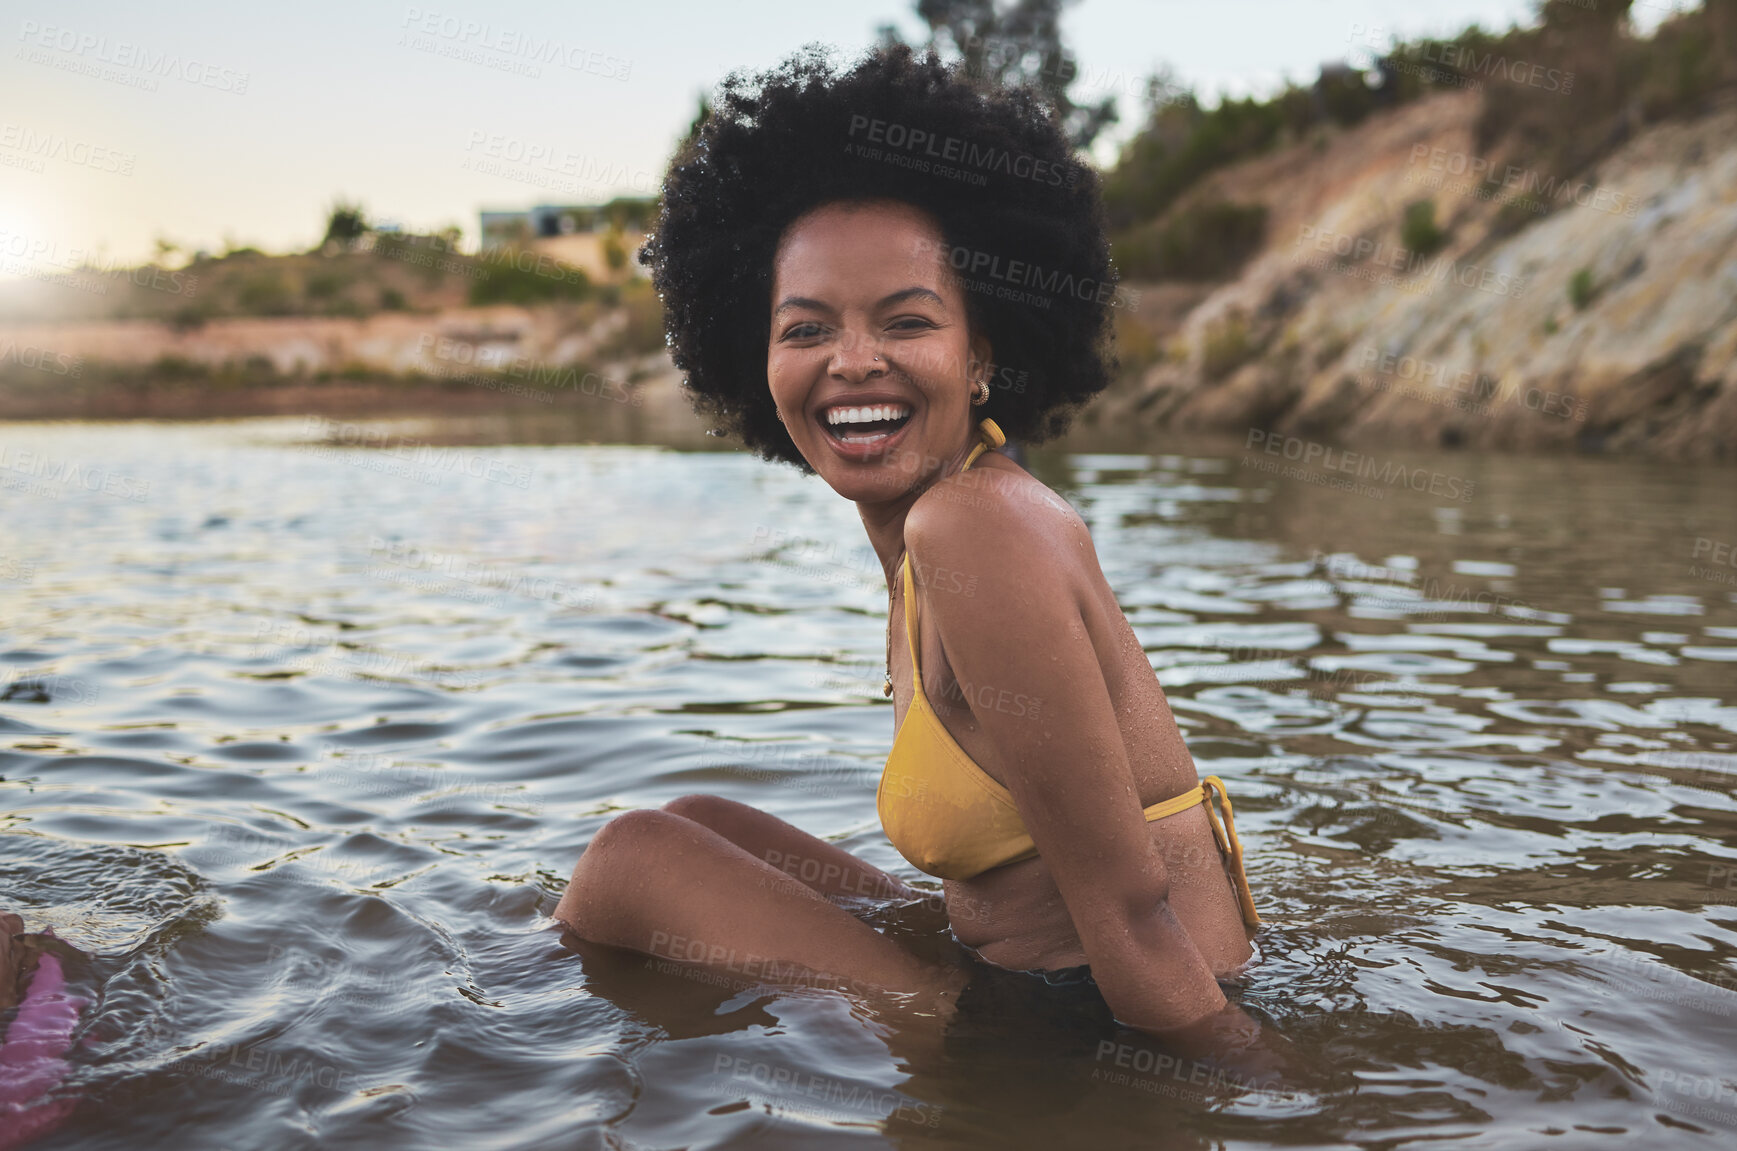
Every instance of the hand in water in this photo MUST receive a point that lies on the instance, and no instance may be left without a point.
(1256, 1057)
(17, 960)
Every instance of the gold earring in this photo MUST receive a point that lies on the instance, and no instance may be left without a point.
(980, 394)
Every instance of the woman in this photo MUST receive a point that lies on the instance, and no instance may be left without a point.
(874, 276)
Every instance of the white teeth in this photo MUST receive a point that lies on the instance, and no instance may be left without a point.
(868, 414)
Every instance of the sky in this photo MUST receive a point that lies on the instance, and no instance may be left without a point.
(225, 123)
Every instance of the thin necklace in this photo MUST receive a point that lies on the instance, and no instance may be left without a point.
(892, 582)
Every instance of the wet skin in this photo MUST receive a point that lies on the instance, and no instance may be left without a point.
(835, 340)
(866, 314)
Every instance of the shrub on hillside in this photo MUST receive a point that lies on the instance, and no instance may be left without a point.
(264, 294)
(1566, 91)
(323, 285)
(518, 276)
(1417, 230)
(1202, 242)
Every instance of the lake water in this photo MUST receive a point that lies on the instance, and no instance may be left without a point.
(301, 742)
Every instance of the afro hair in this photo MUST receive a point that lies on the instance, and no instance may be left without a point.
(992, 166)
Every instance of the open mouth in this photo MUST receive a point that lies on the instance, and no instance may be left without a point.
(867, 424)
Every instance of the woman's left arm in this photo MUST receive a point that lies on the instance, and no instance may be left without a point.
(1020, 633)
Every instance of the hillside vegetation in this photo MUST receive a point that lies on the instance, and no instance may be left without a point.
(1544, 211)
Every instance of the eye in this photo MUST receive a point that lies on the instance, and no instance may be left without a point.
(912, 323)
(798, 332)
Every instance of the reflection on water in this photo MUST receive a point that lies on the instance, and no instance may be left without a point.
(300, 743)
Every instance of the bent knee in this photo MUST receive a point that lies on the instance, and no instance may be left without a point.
(710, 810)
(638, 830)
(609, 871)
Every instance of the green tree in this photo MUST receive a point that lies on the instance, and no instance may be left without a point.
(346, 223)
(1016, 43)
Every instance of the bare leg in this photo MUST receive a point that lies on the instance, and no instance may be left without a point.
(804, 858)
(660, 883)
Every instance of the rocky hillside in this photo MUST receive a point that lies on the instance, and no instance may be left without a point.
(1522, 240)
(1410, 289)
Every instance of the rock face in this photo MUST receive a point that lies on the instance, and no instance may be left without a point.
(1598, 312)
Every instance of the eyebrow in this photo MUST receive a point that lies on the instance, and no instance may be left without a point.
(897, 297)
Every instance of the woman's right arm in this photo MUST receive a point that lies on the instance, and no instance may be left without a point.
(1024, 632)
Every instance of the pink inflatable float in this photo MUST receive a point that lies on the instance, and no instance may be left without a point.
(33, 1058)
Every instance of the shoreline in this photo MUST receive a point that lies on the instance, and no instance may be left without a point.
(653, 411)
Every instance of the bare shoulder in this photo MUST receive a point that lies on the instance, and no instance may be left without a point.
(998, 525)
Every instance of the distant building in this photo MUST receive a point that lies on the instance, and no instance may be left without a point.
(546, 221)
(577, 234)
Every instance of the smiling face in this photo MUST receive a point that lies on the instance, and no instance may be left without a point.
(856, 281)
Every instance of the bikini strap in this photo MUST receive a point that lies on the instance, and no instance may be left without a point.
(1229, 844)
(911, 627)
(991, 437)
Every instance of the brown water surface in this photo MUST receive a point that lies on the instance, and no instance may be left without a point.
(301, 741)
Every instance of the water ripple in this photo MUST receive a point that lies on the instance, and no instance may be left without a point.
(301, 752)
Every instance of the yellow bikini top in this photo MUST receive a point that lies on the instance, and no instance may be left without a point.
(946, 815)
